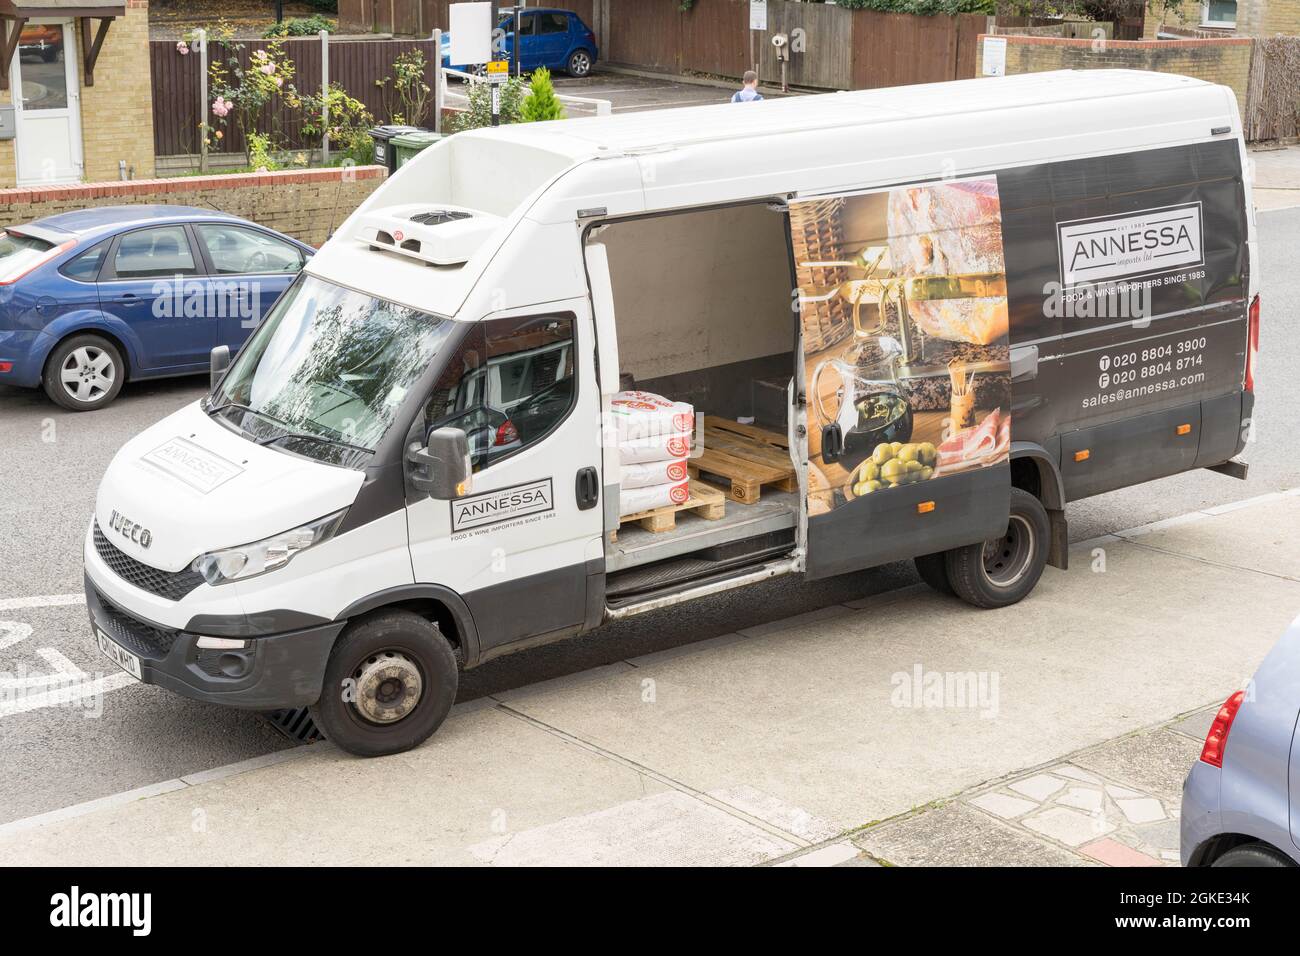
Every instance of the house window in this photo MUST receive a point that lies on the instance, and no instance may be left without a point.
(1219, 13)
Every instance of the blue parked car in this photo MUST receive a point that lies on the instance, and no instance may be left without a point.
(1241, 800)
(94, 298)
(555, 39)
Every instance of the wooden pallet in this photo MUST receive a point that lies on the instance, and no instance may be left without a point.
(748, 457)
(705, 501)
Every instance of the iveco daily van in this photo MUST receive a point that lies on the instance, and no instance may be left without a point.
(911, 322)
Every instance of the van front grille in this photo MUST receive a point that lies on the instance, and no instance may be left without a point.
(172, 585)
(142, 639)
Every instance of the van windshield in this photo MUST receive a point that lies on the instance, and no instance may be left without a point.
(328, 370)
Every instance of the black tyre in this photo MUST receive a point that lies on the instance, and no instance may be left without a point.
(84, 372)
(1003, 570)
(390, 681)
(579, 63)
(1253, 854)
(933, 569)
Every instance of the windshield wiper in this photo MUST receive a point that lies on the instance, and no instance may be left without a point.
(243, 408)
(323, 439)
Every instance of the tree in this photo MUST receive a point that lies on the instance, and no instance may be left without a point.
(541, 102)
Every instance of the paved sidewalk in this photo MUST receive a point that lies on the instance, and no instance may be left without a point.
(1277, 177)
(905, 728)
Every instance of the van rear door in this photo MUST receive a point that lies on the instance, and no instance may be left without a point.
(903, 365)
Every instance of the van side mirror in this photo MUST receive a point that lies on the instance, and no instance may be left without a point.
(442, 469)
(218, 362)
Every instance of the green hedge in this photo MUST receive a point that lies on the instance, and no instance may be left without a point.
(922, 7)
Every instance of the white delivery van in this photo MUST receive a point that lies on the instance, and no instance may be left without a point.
(911, 323)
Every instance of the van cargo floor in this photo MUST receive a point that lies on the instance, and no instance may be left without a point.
(775, 511)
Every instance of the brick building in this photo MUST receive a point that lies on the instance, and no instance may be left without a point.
(1243, 18)
(75, 91)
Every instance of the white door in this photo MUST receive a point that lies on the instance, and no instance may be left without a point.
(47, 104)
(524, 547)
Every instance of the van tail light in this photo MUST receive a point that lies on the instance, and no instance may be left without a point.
(1216, 741)
(506, 433)
(1252, 344)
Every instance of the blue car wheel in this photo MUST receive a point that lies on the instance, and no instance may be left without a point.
(84, 372)
(579, 63)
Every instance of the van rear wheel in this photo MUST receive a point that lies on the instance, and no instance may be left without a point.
(389, 684)
(1003, 570)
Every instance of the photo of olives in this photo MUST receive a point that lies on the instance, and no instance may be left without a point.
(892, 464)
(903, 308)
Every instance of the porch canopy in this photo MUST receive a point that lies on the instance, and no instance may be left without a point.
(14, 15)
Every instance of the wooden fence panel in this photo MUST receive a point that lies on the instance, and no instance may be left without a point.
(825, 34)
(644, 33)
(714, 38)
(969, 28)
(1273, 90)
(897, 49)
(355, 65)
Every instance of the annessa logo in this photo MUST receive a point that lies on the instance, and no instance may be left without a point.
(1122, 247)
(132, 910)
(517, 501)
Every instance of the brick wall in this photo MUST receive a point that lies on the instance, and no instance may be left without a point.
(301, 203)
(1225, 61)
(1255, 18)
(117, 112)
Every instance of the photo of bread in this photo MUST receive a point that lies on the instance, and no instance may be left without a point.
(903, 301)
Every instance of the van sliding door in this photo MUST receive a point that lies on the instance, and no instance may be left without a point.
(905, 364)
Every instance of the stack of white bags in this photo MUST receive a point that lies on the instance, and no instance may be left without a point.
(654, 440)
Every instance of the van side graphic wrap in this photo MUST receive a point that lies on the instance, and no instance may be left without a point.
(903, 306)
(1129, 274)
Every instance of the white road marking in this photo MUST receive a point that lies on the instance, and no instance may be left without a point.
(60, 663)
(11, 632)
(41, 600)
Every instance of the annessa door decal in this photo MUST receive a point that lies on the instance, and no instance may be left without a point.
(903, 305)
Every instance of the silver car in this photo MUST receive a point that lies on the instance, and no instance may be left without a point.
(1241, 800)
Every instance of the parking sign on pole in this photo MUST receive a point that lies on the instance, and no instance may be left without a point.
(497, 73)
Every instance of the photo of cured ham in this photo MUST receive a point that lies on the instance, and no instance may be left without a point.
(986, 443)
(952, 230)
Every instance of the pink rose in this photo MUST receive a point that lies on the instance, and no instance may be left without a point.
(267, 68)
(182, 48)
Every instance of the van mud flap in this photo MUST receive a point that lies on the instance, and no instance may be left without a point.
(895, 524)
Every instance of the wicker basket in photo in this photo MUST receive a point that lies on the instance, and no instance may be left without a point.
(817, 235)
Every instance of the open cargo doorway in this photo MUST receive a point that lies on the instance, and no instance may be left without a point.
(702, 308)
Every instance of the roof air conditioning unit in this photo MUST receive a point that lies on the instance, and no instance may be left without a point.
(438, 234)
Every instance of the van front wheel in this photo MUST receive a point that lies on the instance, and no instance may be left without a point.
(1002, 570)
(389, 684)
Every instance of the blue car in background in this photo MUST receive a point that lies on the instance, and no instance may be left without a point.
(1241, 800)
(94, 298)
(555, 39)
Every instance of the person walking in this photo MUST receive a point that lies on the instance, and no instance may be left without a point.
(749, 92)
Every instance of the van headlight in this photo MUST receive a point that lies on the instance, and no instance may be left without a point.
(248, 560)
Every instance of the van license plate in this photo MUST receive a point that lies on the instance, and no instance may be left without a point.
(118, 654)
